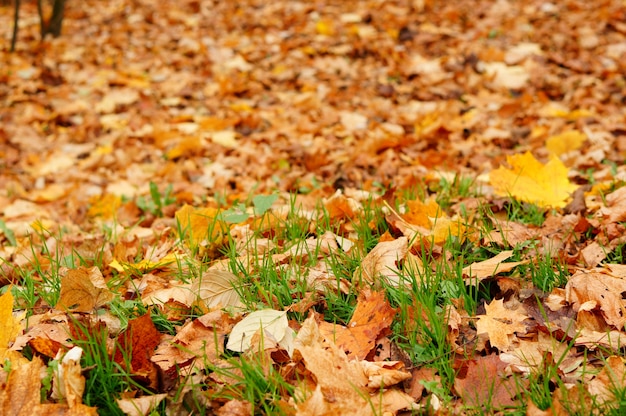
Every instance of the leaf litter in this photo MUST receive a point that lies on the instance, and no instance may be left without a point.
(438, 186)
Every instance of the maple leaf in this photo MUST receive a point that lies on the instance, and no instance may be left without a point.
(382, 261)
(10, 325)
(530, 181)
(484, 382)
(565, 142)
(373, 315)
(499, 323)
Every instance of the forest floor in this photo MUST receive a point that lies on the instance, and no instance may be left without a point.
(314, 207)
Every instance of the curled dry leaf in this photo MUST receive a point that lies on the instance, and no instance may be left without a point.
(383, 262)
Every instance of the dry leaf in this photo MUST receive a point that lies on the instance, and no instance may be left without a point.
(215, 289)
(371, 318)
(82, 290)
(484, 381)
(499, 323)
(478, 271)
(382, 262)
(11, 327)
(273, 324)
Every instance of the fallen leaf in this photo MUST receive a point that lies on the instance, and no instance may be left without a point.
(273, 323)
(478, 271)
(600, 287)
(215, 289)
(530, 181)
(382, 262)
(499, 323)
(371, 319)
(140, 406)
(199, 342)
(82, 290)
(565, 142)
(11, 327)
(136, 346)
(485, 382)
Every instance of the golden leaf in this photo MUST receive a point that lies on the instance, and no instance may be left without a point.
(530, 181)
(10, 326)
(565, 142)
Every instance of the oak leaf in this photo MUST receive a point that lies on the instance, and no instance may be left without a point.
(531, 181)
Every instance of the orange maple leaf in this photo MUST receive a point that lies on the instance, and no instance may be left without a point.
(499, 323)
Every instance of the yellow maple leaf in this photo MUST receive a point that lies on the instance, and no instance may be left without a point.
(104, 206)
(531, 181)
(9, 324)
(565, 142)
(201, 225)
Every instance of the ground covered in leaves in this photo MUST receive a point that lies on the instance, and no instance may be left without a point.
(329, 207)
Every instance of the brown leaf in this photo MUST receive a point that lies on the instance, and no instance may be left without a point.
(485, 382)
(602, 288)
(136, 345)
(82, 290)
(383, 261)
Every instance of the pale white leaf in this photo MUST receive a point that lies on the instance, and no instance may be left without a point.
(272, 322)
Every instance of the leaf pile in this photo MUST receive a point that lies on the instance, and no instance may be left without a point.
(335, 207)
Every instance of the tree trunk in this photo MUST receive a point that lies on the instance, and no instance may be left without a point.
(53, 26)
(16, 17)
